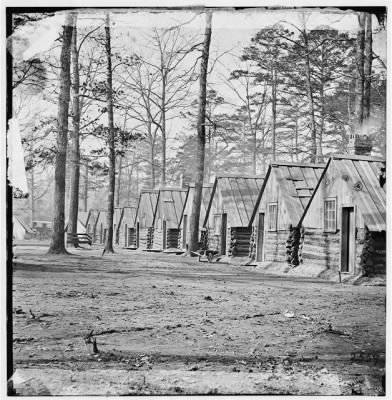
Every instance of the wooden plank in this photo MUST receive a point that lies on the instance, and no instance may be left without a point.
(296, 164)
(310, 176)
(362, 198)
(355, 157)
(373, 187)
(299, 179)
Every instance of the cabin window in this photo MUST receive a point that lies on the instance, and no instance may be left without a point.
(217, 224)
(272, 216)
(330, 215)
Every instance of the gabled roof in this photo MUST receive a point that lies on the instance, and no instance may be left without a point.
(170, 204)
(238, 195)
(146, 206)
(129, 215)
(297, 183)
(361, 175)
(205, 198)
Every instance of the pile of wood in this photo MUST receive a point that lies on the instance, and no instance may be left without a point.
(150, 237)
(172, 236)
(294, 245)
(240, 242)
(131, 237)
(373, 257)
(204, 239)
(252, 246)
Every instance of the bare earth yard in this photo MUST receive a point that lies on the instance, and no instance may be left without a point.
(166, 324)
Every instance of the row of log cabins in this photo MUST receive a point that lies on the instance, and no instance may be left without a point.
(331, 214)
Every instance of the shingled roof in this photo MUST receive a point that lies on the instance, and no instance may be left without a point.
(238, 196)
(170, 204)
(297, 183)
(146, 207)
(361, 175)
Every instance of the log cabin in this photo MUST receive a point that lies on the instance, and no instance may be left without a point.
(185, 220)
(117, 220)
(280, 204)
(127, 231)
(343, 226)
(170, 203)
(91, 224)
(145, 218)
(228, 214)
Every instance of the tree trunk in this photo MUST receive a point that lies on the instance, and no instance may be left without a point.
(309, 90)
(201, 140)
(359, 79)
(112, 156)
(86, 188)
(32, 194)
(75, 150)
(322, 110)
(368, 55)
(273, 123)
(119, 180)
(163, 127)
(57, 245)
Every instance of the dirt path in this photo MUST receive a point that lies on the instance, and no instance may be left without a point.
(169, 324)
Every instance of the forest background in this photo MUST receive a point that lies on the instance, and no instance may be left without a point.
(281, 85)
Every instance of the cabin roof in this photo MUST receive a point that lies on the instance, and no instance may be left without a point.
(361, 175)
(297, 182)
(170, 204)
(205, 197)
(129, 215)
(238, 194)
(146, 206)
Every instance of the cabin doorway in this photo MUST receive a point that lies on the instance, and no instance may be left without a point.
(184, 229)
(348, 240)
(126, 235)
(260, 238)
(223, 234)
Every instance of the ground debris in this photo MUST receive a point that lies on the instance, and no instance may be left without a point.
(23, 340)
(208, 298)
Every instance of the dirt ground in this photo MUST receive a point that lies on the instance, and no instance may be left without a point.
(166, 324)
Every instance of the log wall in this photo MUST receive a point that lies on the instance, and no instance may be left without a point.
(239, 241)
(322, 248)
(372, 257)
(275, 246)
(146, 236)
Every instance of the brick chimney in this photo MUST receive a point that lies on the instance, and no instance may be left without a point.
(360, 145)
